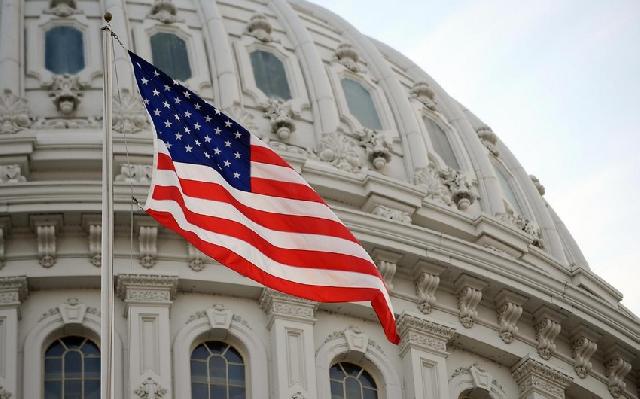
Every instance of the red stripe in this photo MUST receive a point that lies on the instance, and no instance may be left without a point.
(266, 155)
(307, 291)
(292, 257)
(283, 189)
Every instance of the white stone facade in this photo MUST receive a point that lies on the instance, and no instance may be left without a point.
(494, 298)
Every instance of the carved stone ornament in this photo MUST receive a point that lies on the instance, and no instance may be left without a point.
(197, 260)
(134, 174)
(509, 309)
(95, 244)
(536, 182)
(297, 395)
(4, 394)
(346, 55)
(377, 147)
(523, 224)
(357, 340)
(417, 332)
(460, 186)
(46, 229)
(278, 305)
(148, 240)
(280, 115)
(393, 214)
(469, 297)
(3, 236)
(536, 379)
(617, 367)
(14, 113)
(431, 180)
(62, 8)
(13, 290)
(422, 92)
(341, 151)
(10, 174)
(164, 11)
(488, 138)
(426, 287)
(128, 113)
(479, 378)
(66, 91)
(146, 288)
(583, 348)
(547, 326)
(260, 28)
(386, 262)
(150, 389)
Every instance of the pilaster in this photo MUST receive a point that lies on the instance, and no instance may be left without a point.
(13, 291)
(147, 301)
(291, 321)
(539, 381)
(423, 349)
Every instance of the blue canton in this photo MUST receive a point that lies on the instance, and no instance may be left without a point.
(194, 131)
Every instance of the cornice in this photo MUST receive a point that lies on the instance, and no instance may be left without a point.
(533, 376)
(13, 290)
(420, 333)
(146, 288)
(282, 306)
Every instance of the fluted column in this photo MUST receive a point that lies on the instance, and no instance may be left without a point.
(220, 55)
(423, 349)
(324, 104)
(148, 299)
(290, 321)
(539, 381)
(10, 32)
(13, 291)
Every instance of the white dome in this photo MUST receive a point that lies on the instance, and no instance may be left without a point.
(492, 292)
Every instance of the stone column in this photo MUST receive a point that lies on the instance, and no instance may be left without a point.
(148, 299)
(539, 381)
(10, 32)
(291, 321)
(423, 349)
(13, 291)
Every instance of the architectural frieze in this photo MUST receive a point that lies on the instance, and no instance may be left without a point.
(11, 174)
(278, 305)
(14, 113)
(535, 378)
(417, 332)
(134, 174)
(146, 288)
(13, 290)
(150, 389)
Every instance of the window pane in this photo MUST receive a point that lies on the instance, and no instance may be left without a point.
(367, 380)
(218, 375)
(72, 365)
(236, 393)
(351, 369)
(233, 356)
(361, 104)
(218, 370)
(236, 375)
(441, 144)
(218, 392)
(199, 391)
(216, 347)
(270, 75)
(92, 368)
(369, 394)
(52, 390)
(56, 349)
(200, 352)
(507, 190)
(199, 372)
(169, 53)
(53, 369)
(63, 50)
(337, 390)
(352, 388)
(70, 371)
(89, 348)
(73, 389)
(92, 390)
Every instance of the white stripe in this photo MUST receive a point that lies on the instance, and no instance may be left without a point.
(282, 239)
(276, 172)
(311, 276)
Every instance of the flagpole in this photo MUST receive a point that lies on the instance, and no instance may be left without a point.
(106, 278)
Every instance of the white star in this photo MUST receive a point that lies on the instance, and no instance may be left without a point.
(144, 81)
(178, 136)
(227, 164)
(186, 94)
(227, 144)
(217, 111)
(177, 117)
(169, 145)
(238, 135)
(138, 64)
(186, 130)
(217, 151)
(166, 104)
(207, 139)
(188, 148)
(236, 175)
(167, 124)
(227, 123)
(217, 130)
(206, 154)
(197, 106)
(196, 126)
(177, 100)
(167, 88)
(187, 114)
(197, 143)
(155, 92)
(146, 101)
(207, 118)
(175, 82)
(155, 73)
(237, 154)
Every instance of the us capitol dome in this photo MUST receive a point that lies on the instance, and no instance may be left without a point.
(493, 297)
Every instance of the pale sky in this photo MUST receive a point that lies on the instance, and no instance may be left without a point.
(559, 83)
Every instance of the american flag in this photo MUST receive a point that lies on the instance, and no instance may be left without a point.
(232, 197)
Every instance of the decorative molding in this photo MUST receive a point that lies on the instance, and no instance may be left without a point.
(71, 311)
(386, 262)
(295, 395)
(431, 180)
(278, 305)
(488, 138)
(4, 232)
(422, 92)
(280, 116)
(618, 365)
(260, 28)
(46, 228)
(341, 151)
(92, 122)
(583, 345)
(13, 290)
(427, 280)
(393, 214)
(150, 389)
(535, 378)
(469, 290)
(197, 260)
(66, 91)
(536, 182)
(146, 288)
(63, 8)
(164, 11)
(377, 147)
(347, 55)
(148, 245)
(129, 115)
(547, 326)
(134, 174)
(357, 340)
(10, 174)
(14, 113)
(417, 332)
(509, 309)
(460, 186)
(4, 394)
(473, 376)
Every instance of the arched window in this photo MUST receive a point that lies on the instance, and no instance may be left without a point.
(360, 104)
(72, 369)
(169, 53)
(217, 371)
(507, 190)
(441, 144)
(63, 50)
(270, 75)
(349, 381)
(475, 393)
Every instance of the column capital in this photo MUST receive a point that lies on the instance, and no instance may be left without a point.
(146, 288)
(417, 332)
(13, 290)
(534, 377)
(278, 305)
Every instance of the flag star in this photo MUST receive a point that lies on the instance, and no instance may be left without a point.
(227, 143)
(188, 148)
(178, 136)
(156, 112)
(155, 73)
(138, 64)
(144, 81)
(217, 129)
(237, 154)
(197, 143)
(236, 175)
(166, 104)
(238, 134)
(207, 139)
(196, 126)
(167, 124)
(175, 82)
(207, 118)
(155, 92)
(227, 124)
(146, 101)
(197, 106)
(217, 151)
(167, 88)
(217, 111)
(187, 130)
(187, 114)
(177, 117)
(177, 100)
(206, 154)
(227, 164)
(186, 94)
(169, 145)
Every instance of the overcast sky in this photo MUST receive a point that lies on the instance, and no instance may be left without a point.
(559, 83)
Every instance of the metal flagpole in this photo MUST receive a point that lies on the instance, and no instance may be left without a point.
(106, 280)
